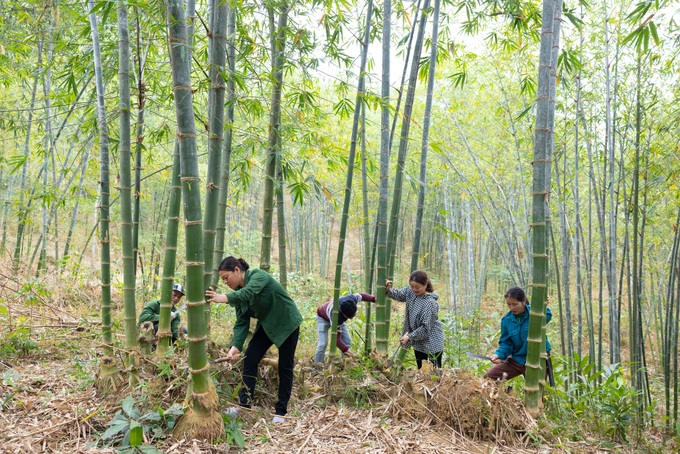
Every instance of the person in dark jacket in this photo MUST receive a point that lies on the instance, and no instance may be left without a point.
(152, 312)
(511, 356)
(258, 295)
(347, 309)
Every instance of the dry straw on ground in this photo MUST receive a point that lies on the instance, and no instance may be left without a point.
(49, 403)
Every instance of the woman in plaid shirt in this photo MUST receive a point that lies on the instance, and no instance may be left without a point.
(422, 328)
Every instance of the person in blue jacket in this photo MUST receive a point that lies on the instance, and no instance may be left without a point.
(511, 356)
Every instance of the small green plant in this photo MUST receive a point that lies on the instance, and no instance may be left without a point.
(232, 430)
(18, 343)
(9, 379)
(601, 397)
(617, 402)
(128, 427)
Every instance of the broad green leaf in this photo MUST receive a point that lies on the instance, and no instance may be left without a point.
(115, 429)
(239, 440)
(152, 416)
(148, 449)
(136, 433)
(128, 405)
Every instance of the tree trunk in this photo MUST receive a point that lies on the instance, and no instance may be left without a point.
(47, 89)
(540, 210)
(126, 195)
(164, 335)
(218, 56)
(139, 145)
(403, 143)
(350, 174)
(226, 156)
(278, 47)
(426, 135)
(382, 306)
(23, 212)
(108, 376)
(281, 225)
(202, 420)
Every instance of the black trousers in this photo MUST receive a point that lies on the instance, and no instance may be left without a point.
(256, 350)
(434, 358)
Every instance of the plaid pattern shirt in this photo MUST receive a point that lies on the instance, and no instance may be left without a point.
(421, 320)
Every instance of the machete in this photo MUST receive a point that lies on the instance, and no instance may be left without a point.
(476, 356)
(391, 361)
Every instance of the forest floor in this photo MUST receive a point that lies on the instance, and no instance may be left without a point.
(49, 404)
(49, 358)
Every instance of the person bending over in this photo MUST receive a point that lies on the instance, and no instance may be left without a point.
(347, 309)
(256, 294)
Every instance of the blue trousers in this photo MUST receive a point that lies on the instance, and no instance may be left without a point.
(323, 326)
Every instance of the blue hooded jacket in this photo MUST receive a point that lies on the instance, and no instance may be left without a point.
(514, 335)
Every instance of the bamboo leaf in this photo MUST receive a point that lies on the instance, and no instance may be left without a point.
(459, 79)
(639, 11)
(633, 35)
(576, 22)
(524, 112)
(654, 33)
(16, 162)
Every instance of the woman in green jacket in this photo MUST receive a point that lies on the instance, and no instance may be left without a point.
(257, 294)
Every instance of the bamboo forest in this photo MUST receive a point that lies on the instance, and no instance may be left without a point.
(381, 226)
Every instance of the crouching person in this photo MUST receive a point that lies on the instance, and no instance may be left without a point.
(152, 313)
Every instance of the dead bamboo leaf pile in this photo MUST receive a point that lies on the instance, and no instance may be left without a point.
(472, 406)
(43, 410)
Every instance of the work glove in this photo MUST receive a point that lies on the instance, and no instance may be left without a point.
(174, 314)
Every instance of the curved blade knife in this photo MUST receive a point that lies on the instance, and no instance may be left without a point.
(476, 356)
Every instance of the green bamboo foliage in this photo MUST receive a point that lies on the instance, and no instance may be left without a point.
(278, 46)
(541, 179)
(218, 55)
(164, 334)
(426, 134)
(126, 195)
(381, 304)
(202, 420)
(226, 153)
(361, 91)
(108, 376)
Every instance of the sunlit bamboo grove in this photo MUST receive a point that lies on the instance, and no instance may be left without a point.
(491, 143)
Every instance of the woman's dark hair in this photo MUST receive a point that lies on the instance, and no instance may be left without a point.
(516, 293)
(231, 263)
(420, 277)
